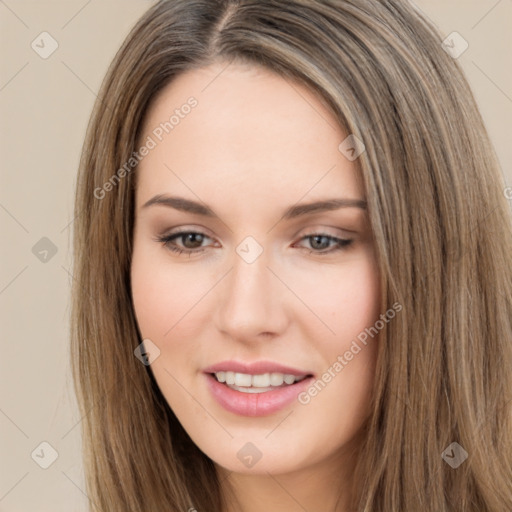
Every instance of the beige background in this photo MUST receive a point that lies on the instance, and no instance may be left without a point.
(44, 109)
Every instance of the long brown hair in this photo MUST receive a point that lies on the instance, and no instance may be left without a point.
(442, 233)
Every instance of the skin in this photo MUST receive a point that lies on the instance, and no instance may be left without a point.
(255, 145)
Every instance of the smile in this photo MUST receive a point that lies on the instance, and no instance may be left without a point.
(247, 383)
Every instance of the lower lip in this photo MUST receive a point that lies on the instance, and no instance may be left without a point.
(255, 404)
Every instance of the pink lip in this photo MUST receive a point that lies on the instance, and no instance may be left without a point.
(256, 404)
(256, 368)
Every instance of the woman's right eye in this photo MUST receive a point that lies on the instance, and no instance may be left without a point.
(191, 242)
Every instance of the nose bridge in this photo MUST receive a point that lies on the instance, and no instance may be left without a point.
(251, 301)
(250, 278)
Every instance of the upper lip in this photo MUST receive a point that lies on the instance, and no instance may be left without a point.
(255, 368)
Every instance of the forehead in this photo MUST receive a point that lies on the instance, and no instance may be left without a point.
(249, 130)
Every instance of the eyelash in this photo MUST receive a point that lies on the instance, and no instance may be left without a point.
(166, 240)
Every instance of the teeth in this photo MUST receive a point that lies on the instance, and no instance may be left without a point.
(289, 379)
(266, 380)
(261, 381)
(243, 379)
(276, 379)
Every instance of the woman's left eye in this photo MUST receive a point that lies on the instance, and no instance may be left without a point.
(320, 242)
(192, 242)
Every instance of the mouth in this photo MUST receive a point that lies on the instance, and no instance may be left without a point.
(255, 389)
(259, 383)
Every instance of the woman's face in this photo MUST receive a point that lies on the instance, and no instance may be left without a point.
(235, 273)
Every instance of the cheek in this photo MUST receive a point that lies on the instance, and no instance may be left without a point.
(350, 304)
(167, 299)
(359, 301)
(345, 298)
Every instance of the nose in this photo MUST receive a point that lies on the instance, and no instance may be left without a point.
(251, 301)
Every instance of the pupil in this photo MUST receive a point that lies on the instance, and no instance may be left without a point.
(196, 240)
(317, 242)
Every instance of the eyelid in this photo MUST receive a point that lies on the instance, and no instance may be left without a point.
(201, 230)
(333, 231)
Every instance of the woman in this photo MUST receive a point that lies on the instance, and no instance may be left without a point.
(292, 259)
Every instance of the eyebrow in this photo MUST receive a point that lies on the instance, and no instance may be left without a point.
(297, 210)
